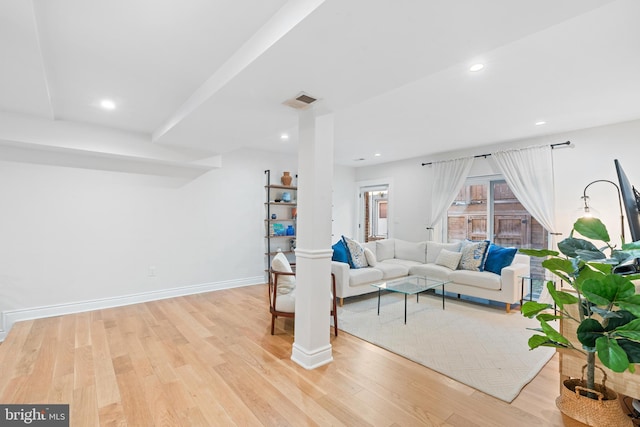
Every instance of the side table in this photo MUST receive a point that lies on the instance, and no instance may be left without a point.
(531, 278)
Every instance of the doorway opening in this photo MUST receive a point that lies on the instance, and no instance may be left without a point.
(373, 223)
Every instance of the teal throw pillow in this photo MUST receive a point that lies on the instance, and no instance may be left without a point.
(498, 258)
(340, 252)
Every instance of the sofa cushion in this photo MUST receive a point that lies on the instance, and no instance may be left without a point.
(448, 259)
(434, 248)
(404, 262)
(498, 258)
(392, 269)
(364, 275)
(431, 271)
(385, 249)
(412, 251)
(478, 279)
(355, 250)
(340, 252)
(473, 255)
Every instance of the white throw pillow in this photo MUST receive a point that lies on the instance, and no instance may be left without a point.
(280, 263)
(448, 259)
(371, 257)
(434, 248)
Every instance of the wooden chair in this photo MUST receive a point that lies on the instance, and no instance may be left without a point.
(282, 295)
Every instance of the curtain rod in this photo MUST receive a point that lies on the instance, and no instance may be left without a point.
(487, 155)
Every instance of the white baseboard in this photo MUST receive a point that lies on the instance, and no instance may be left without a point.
(12, 316)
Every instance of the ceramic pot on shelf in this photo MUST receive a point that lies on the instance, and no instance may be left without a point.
(286, 178)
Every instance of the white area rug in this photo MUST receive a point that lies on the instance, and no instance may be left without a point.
(480, 346)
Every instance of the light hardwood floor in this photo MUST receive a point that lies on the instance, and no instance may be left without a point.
(209, 359)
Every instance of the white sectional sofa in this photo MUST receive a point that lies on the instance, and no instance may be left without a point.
(396, 258)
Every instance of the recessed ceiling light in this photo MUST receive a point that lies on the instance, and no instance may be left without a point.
(108, 104)
(476, 67)
(377, 154)
(284, 136)
(540, 123)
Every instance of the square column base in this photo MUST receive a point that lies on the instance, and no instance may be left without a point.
(311, 360)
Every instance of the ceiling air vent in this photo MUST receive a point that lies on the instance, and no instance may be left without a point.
(301, 101)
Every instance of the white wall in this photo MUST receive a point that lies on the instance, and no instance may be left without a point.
(591, 158)
(344, 207)
(71, 235)
(408, 196)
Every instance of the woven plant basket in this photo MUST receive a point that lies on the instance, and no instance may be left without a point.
(603, 412)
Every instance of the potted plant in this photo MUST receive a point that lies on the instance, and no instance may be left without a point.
(605, 306)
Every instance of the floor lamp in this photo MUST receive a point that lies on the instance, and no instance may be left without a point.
(587, 212)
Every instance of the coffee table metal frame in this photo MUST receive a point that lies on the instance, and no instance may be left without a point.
(410, 285)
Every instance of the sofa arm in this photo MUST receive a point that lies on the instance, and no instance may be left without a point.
(341, 272)
(511, 279)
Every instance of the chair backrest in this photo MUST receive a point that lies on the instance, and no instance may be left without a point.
(283, 278)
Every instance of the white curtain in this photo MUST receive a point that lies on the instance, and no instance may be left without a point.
(447, 179)
(529, 173)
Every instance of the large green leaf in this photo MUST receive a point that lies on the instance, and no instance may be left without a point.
(590, 255)
(631, 304)
(559, 265)
(589, 331)
(596, 292)
(624, 321)
(632, 349)
(540, 253)
(552, 333)
(541, 341)
(611, 288)
(548, 316)
(630, 335)
(561, 298)
(532, 308)
(611, 354)
(592, 228)
(631, 245)
(605, 313)
(570, 245)
(600, 268)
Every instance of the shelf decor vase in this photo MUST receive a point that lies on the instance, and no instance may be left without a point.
(286, 178)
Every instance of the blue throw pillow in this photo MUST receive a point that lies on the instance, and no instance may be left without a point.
(498, 258)
(340, 252)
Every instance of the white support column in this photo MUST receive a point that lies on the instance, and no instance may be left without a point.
(311, 347)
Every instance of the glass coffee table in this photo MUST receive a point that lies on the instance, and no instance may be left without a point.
(410, 285)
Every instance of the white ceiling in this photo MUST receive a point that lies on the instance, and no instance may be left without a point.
(212, 74)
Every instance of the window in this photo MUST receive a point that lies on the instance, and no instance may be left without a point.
(488, 209)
